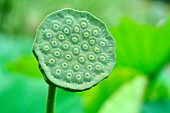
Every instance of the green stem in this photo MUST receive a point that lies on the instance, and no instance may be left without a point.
(51, 99)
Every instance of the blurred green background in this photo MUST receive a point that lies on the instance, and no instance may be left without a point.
(139, 83)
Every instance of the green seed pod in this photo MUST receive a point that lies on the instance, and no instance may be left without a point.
(74, 49)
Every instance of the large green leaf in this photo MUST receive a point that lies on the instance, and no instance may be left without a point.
(17, 57)
(156, 107)
(159, 88)
(24, 95)
(127, 99)
(143, 47)
(95, 97)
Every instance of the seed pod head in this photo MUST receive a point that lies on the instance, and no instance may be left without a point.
(74, 49)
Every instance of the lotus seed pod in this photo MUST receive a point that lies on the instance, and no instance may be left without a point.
(74, 49)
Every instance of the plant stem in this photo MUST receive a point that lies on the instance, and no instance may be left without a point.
(51, 99)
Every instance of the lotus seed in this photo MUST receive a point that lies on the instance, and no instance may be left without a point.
(57, 53)
(74, 39)
(84, 24)
(76, 50)
(69, 75)
(81, 59)
(92, 41)
(91, 57)
(76, 67)
(95, 31)
(69, 21)
(89, 67)
(78, 76)
(66, 30)
(68, 56)
(56, 26)
(87, 77)
(61, 37)
(51, 61)
(102, 58)
(64, 65)
(98, 67)
(102, 43)
(45, 48)
(85, 46)
(76, 28)
(97, 49)
(58, 71)
(87, 74)
(65, 46)
(54, 43)
(86, 34)
(49, 35)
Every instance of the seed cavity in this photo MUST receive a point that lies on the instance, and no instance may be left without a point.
(76, 29)
(87, 77)
(89, 67)
(67, 30)
(82, 59)
(49, 34)
(64, 65)
(69, 76)
(85, 46)
(61, 36)
(97, 49)
(57, 72)
(102, 58)
(98, 67)
(56, 26)
(86, 34)
(102, 43)
(54, 43)
(68, 56)
(69, 21)
(51, 61)
(57, 53)
(74, 39)
(76, 50)
(92, 41)
(76, 67)
(84, 24)
(45, 48)
(91, 57)
(95, 31)
(78, 77)
(65, 46)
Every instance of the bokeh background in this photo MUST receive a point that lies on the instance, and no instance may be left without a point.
(139, 83)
